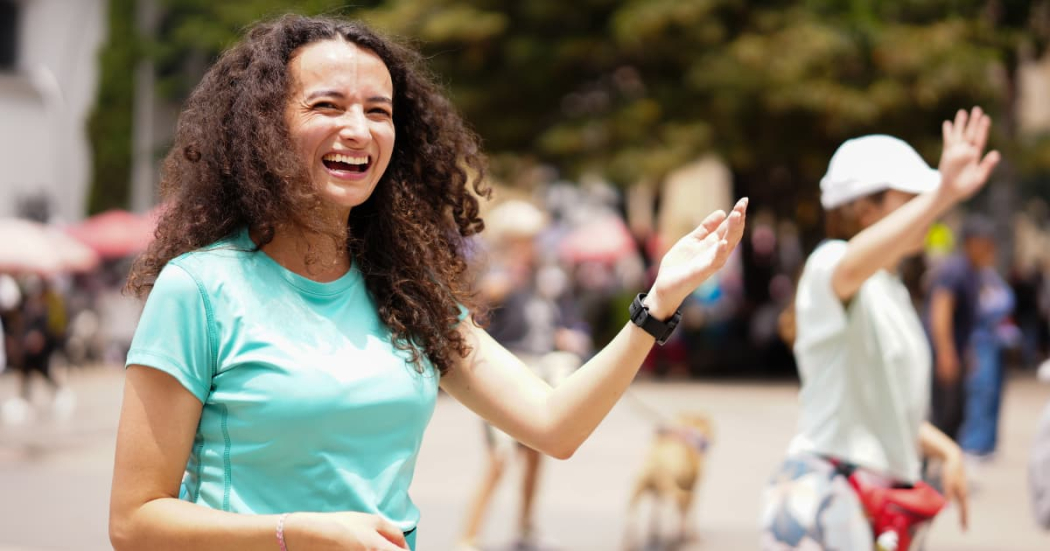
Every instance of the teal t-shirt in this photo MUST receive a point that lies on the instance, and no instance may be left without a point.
(306, 404)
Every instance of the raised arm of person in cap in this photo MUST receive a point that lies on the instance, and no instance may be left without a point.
(499, 388)
(899, 233)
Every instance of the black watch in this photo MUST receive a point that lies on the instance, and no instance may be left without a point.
(661, 330)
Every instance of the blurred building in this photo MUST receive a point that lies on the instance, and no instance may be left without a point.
(1033, 96)
(48, 80)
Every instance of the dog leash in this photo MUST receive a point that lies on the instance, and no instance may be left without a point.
(646, 410)
(666, 425)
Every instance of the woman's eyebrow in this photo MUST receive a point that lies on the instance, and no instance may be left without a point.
(339, 95)
(326, 93)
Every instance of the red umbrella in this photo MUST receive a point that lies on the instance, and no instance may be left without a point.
(31, 247)
(603, 239)
(116, 233)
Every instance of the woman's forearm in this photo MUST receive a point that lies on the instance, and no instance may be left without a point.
(934, 443)
(578, 405)
(886, 242)
(173, 524)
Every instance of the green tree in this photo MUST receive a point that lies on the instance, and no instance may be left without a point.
(635, 88)
(110, 122)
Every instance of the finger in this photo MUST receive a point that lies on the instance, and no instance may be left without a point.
(982, 133)
(710, 224)
(734, 230)
(947, 133)
(737, 221)
(723, 228)
(988, 164)
(728, 244)
(721, 256)
(964, 508)
(741, 205)
(381, 543)
(959, 127)
(392, 533)
(976, 118)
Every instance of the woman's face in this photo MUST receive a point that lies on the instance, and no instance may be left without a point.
(341, 120)
(870, 212)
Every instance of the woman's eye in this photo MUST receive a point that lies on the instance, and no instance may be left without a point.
(380, 111)
(324, 105)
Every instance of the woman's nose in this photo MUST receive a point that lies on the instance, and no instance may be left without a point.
(354, 126)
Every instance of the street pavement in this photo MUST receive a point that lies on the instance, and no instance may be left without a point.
(55, 472)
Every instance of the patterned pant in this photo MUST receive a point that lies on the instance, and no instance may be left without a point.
(809, 506)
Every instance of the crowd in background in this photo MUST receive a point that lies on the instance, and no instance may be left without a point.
(595, 257)
(55, 322)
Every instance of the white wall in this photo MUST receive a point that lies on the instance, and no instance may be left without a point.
(44, 105)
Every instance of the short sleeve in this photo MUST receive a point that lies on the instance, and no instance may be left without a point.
(174, 333)
(949, 277)
(819, 312)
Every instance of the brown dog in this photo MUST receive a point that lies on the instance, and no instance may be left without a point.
(671, 472)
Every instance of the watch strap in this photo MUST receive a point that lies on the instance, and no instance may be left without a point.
(661, 330)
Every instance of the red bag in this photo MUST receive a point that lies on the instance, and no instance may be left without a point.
(900, 516)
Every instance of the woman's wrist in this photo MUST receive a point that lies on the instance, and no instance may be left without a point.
(944, 198)
(299, 532)
(659, 306)
(953, 454)
(279, 532)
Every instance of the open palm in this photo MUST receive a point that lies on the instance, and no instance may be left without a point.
(699, 254)
(963, 171)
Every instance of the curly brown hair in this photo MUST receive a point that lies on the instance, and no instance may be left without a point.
(232, 166)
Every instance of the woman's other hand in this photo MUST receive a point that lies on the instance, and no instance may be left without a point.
(953, 480)
(694, 258)
(963, 171)
(342, 532)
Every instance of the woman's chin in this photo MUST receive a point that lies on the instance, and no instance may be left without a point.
(344, 196)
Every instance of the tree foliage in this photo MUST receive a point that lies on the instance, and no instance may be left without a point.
(110, 122)
(634, 88)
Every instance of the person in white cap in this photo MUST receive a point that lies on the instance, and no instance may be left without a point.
(863, 359)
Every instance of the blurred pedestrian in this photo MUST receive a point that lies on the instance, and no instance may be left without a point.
(14, 410)
(307, 298)
(42, 331)
(862, 355)
(531, 318)
(979, 431)
(951, 318)
(10, 298)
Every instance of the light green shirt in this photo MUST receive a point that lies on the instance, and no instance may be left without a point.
(307, 406)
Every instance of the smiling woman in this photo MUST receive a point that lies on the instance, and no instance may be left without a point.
(340, 118)
(249, 151)
(306, 298)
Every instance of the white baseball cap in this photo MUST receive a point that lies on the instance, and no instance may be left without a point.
(874, 163)
(514, 218)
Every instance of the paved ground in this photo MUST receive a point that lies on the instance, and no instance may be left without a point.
(54, 475)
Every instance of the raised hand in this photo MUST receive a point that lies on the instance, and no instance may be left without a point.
(963, 171)
(694, 258)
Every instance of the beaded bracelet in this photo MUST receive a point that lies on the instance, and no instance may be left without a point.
(280, 532)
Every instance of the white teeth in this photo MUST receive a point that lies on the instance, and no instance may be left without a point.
(340, 158)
